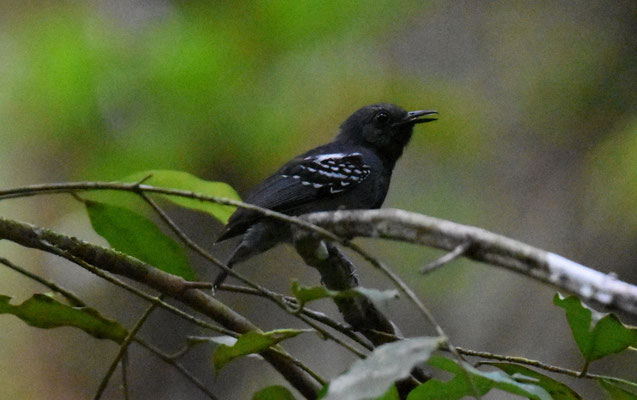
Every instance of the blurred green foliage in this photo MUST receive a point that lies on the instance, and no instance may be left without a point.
(189, 80)
(190, 90)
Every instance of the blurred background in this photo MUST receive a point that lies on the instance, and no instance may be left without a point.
(537, 140)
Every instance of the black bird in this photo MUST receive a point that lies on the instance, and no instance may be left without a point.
(351, 172)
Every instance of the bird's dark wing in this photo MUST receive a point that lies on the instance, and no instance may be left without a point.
(308, 178)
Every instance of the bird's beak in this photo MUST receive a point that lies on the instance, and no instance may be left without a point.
(421, 116)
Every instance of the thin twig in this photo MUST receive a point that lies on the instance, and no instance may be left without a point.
(539, 364)
(77, 302)
(168, 359)
(275, 297)
(447, 258)
(123, 348)
(33, 190)
(198, 249)
(121, 264)
(72, 298)
(154, 300)
(125, 375)
(300, 364)
(328, 335)
(313, 314)
(182, 352)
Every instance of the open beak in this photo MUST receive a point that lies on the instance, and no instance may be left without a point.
(421, 116)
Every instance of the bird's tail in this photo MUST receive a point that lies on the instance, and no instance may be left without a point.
(240, 253)
(221, 277)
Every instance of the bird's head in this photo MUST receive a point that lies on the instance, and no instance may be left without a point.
(385, 127)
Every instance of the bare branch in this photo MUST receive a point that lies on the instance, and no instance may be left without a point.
(313, 314)
(487, 247)
(540, 365)
(170, 360)
(446, 259)
(123, 348)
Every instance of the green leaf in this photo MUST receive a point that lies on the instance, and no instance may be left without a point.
(306, 294)
(459, 386)
(250, 343)
(136, 235)
(390, 394)
(557, 390)
(273, 393)
(597, 335)
(185, 181)
(45, 312)
(615, 392)
(388, 363)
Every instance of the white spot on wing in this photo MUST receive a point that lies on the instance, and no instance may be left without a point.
(332, 175)
(331, 156)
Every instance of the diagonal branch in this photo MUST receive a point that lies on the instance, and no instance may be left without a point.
(440, 262)
(123, 348)
(312, 314)
(118, 263)
(180, 368)
(70, 296)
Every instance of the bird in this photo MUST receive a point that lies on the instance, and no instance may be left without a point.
(353, 171)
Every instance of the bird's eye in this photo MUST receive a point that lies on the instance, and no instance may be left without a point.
(381, 117)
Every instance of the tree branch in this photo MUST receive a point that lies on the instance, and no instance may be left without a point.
(338, 273)
(70, 296)
(118, 263)
(180, 368)
(604, 289)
